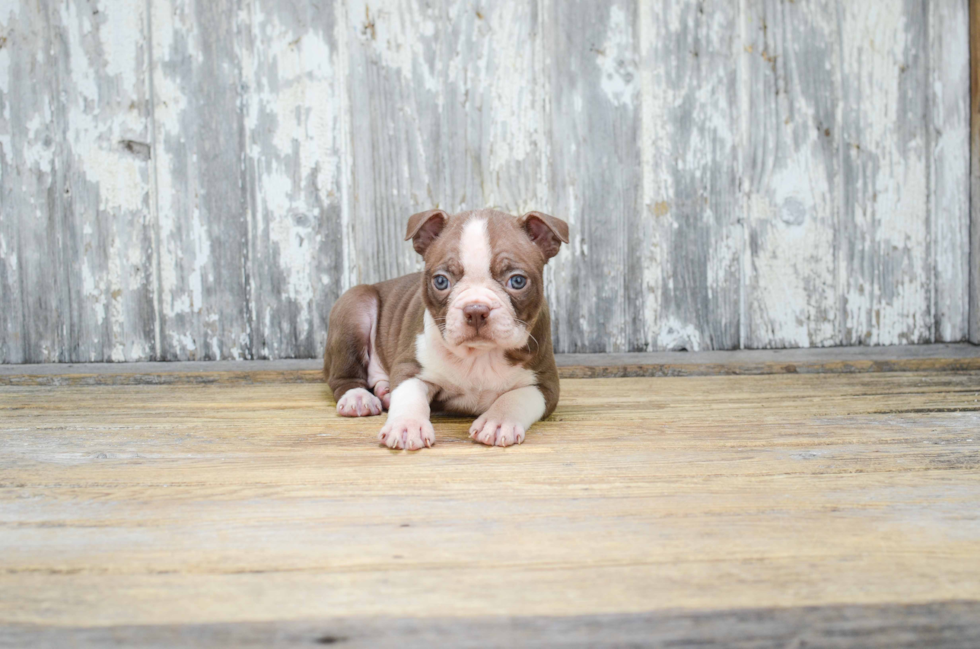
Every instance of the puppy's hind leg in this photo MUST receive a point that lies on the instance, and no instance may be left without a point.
(377, 377)
(349, 341)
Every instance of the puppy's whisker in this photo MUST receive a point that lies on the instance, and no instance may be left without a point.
(536, 343)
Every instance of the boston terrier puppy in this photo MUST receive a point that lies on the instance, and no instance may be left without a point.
(470, 334)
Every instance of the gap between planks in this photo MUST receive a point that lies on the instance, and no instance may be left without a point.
(831, 360)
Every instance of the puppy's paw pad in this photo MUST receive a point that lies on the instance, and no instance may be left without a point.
(358, 403)
(407, 433)
(496, 433)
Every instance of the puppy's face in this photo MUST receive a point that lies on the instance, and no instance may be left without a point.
(483, 273)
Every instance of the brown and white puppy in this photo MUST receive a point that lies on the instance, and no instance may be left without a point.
(470, 334)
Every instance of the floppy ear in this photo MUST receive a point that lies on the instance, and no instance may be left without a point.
(547, 232)
(424, 228)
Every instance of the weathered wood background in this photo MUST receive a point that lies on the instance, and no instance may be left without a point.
(200, 179)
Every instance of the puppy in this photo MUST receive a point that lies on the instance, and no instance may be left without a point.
(470, 334)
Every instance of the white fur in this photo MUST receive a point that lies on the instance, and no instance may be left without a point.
(474, 251)
(509, 417)
(474, 378)
(408, 423)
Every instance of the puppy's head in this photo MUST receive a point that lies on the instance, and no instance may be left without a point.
(483, 273)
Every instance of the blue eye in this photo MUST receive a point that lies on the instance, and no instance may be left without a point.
(517, 282)
(441, 282)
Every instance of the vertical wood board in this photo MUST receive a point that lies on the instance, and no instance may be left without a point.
(294, 121)
(201, 198)
(182, 179)
(974, 270)
(691, 235)
(75, 227)
(790, 173)
(885, 231)
(949, 166)
(595, 170)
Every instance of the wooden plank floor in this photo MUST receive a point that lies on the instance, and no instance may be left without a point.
(231, 512)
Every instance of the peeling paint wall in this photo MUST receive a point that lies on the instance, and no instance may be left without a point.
(201, 179)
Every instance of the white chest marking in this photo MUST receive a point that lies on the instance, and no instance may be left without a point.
(470, 382)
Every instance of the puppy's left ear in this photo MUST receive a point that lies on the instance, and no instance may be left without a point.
(546, 231)
(424, 228)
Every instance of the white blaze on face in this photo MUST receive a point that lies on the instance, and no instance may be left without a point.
(477, 286)
(474, 252)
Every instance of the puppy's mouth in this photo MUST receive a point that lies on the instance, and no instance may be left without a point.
(478, 342)
(474, 340)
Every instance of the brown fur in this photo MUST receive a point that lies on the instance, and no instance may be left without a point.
(526, 242)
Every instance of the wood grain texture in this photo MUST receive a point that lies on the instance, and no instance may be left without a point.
(885, 175)
(914, 358)
(940, 625)
(183, 505)
(791, 134)
(691, 236)
(446, 111)
(595, 165)
(974, 279)
(394, 84)
(295, 123)
(75, 226)
(949, 151)
(34, 328)
(202, 192)
(190, 180)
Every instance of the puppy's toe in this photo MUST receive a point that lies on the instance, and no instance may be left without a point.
(408, 433)
(358, 403)
(477, 426)
(496, 433)
(485, 431)
(509, 433)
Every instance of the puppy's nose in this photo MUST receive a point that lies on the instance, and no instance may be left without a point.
(476, 315)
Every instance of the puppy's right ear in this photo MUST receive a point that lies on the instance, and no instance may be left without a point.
(424, 228)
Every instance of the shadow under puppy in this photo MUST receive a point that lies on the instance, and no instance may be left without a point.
(470, 334)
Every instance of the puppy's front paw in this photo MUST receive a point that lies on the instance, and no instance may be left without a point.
(358, 403)
(408, 433)
(492, 432)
